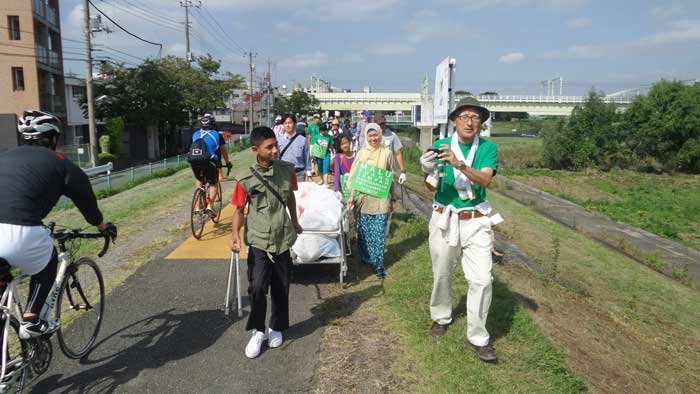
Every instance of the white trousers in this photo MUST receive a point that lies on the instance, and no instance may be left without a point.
(28, 248)
(474, 248)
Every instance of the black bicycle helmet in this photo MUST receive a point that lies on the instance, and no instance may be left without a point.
(34, 125)
(207, 120)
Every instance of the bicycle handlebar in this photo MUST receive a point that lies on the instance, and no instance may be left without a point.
(62, 236)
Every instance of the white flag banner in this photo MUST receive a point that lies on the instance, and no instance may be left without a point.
(441, 100)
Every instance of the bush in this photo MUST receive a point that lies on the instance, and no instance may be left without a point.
(105, 158)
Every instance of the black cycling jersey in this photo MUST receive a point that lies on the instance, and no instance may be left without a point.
(33, 178)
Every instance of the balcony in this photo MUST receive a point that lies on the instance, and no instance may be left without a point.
(47, 57)
(45, 12)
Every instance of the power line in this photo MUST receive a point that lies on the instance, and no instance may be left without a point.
(222, 30)
(126, 31)
(146, 17)
(217, 37)
(151, 12)
(118, 51)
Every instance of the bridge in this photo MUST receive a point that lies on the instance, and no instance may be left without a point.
(404, 102)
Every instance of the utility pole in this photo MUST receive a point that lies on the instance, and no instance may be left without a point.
(186, 4)
(88, 84)
(269, 93)
(251, 55)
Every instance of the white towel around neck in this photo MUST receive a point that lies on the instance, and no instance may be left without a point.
(462, 183)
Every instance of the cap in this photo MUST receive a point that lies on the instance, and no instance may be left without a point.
(278, 118)
(335, 121)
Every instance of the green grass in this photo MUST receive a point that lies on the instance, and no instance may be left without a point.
(518, 152)
(665, 205)
(529, 363)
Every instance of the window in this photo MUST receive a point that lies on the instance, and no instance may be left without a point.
(13, 27)
(17, 79)
(78, 92)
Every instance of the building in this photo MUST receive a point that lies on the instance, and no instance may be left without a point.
(31, 60)
(77, 131)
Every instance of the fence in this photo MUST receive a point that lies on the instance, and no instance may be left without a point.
(78, 153)
(118, 178)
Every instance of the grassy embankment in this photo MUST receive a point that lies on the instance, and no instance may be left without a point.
(623, 327)
(666, 205)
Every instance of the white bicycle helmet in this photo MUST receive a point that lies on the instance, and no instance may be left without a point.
(34, 125)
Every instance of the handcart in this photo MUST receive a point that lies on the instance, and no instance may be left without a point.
(339, 234)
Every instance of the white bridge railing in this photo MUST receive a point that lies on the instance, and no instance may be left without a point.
(547, 99)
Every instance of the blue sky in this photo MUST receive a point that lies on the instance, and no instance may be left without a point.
(507, 46)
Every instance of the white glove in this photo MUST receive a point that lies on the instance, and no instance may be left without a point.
(432, 179)
(308, 173)
(427, 162)
(339, 195)
(402, 178)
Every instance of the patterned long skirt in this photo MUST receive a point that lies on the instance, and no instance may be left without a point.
(370, 238)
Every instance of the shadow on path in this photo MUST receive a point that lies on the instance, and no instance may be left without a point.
(148, 344)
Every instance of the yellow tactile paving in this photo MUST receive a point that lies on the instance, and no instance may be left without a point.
(214, 242)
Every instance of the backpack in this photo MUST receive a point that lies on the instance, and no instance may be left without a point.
(198, 151)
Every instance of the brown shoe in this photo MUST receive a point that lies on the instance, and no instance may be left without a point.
(485, 353)
(438, 330)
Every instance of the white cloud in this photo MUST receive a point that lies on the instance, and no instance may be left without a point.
(419, 29)
(514, 57)
(303, 61)
(669, 11)
(683, 32)
(348, 10)
(554, 4)
(578, 23)
(288, 28)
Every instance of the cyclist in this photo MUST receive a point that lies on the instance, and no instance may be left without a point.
(33, 178)
(208, 169)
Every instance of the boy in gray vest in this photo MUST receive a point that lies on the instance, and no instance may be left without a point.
(270, 231)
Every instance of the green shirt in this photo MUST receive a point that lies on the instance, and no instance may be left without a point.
(313, 130)
(323, 140)
(485, 156)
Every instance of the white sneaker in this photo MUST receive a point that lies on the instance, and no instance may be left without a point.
(252, 350)
(275, 338)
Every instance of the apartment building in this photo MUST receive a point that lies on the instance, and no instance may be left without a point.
(31, 60)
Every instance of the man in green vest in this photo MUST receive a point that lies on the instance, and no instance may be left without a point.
(460, 227)
(270, 231)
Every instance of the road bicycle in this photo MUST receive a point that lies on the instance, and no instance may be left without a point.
(73, 310)
(200, 200)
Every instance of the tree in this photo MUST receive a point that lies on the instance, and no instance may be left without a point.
(297, 103)
(665, 126)
(488, 93)
(592, 137)
(164, 93)
(463, 93)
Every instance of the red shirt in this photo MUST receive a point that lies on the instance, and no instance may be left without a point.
(239, 197)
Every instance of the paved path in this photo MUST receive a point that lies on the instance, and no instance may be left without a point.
(165, 331)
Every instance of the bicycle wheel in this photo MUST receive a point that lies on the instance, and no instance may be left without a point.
(17, 359)
(197, 213)
(216, 204)
(80, 308)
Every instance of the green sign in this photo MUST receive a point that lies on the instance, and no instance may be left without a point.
(372, 180)
(319, 150)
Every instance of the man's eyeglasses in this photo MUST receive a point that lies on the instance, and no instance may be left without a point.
(474, 118)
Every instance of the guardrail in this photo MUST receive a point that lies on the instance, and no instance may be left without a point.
(99, 169)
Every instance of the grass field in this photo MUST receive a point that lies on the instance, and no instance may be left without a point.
(624, 327)
(666, 205)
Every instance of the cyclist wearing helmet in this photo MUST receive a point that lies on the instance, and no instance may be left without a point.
(33, 178)
(208, 170)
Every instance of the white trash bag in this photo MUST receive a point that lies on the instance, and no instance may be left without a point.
(318, 208)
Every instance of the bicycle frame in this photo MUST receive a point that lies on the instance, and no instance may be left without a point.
(10, 305)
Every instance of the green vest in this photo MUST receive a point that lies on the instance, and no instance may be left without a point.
(268, 226)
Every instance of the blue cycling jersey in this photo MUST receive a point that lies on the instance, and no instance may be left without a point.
(211, 139)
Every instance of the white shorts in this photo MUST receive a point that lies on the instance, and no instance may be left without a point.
(27, 248)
